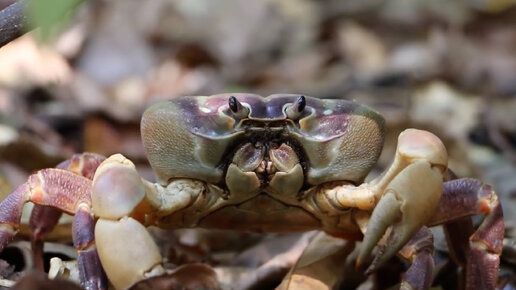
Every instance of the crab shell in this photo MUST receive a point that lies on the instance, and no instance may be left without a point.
(189, 137)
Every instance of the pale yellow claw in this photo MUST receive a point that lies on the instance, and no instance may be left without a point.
(419, 144)
(117, 188)
(409, 192)
(418, 188)
(127, 251)
(384, 215)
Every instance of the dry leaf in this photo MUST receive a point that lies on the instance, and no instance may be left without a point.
(191, 276)
(321, 265)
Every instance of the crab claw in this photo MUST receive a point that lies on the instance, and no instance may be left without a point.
(385, 214)
(411, 195)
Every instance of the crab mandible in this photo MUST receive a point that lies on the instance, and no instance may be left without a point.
(277, 164)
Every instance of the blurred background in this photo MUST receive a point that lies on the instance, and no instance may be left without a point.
(82, 79)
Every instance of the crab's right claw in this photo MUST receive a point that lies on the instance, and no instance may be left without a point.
(411, 189)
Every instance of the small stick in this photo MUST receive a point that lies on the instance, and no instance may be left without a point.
(13, 22)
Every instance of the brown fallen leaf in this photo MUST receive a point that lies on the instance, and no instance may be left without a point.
(35, 280)
(191, 276)
(321, 266)
(269, 248)
(271, 272)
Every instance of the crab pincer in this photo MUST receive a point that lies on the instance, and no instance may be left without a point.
(411, 188)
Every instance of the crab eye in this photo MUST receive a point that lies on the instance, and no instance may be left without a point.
(295, 110)
(239, 110)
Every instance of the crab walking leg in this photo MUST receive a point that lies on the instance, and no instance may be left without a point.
(457, 235)
(43, 219)
(51, 187)
(466, 197)
(61, 189)
(91, 272)
(419, 251)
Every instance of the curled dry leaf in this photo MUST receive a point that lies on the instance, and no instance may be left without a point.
(39, 281)
(321, 266)
(270, 248)
(274, 269)
(191, 276)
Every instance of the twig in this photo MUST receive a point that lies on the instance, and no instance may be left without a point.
(13, 22)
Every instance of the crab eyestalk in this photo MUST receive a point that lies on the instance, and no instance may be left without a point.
(295, 110)
(239, 110)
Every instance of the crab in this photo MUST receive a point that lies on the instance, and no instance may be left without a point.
(282, 163)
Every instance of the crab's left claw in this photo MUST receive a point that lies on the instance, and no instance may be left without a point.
(410, 191)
